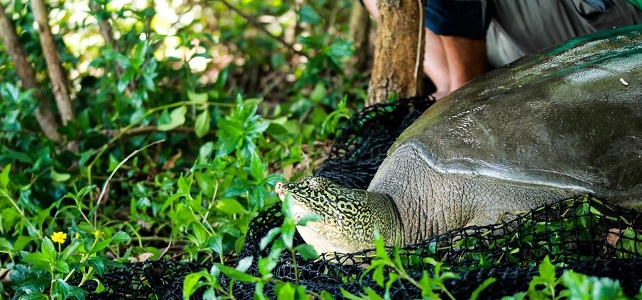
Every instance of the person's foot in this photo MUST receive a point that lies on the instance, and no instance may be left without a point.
(439, 94)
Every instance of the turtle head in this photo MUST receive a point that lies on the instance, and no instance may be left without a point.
(348, 216)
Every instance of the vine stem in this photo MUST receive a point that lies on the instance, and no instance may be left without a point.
(104, 188)
(22, 213)
(150, 112)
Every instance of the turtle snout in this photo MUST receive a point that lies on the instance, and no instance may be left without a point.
(279, 189)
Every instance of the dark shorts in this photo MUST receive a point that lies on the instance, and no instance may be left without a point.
(514, 28)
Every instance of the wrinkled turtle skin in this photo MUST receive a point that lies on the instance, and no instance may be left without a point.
(552, 125)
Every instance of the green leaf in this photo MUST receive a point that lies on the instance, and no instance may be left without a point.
(120, 237)
(200, 234)
(140, 54)
(59, 177)
(307, 251)
(205, 151)
(257, 167)
(309, 218)
(216, 243)
(68, 291)
(284, 291)
(61, 266)
(340, 48)
(197, 97)
(244, 264)
(325, 295)
(546, 278)
(191, 283)
(85, 190)
(97, 262)
(206, 184)
(231, 128)
(547, 271)
(230, 206)
(482, 287)
(378, 277)
(287, 233)
(269, 237)
(4, 176)
(99, 246)
(309, 15)
(38, 260)
(318, 93)
(202, 125)
(69, 250)
(351, 296)
(124, 80)
(226, 146)
(30, 280)
(372, 294)
(48, 248)
(236, 274)
(256, 128)
(15, 155)
(176, 118)
(99, 286)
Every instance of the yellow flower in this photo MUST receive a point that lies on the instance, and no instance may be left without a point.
(96, 233)
(59, 237)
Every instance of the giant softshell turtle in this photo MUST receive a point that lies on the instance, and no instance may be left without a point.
(555, 124)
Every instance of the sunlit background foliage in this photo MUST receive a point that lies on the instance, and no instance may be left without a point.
(239, 94)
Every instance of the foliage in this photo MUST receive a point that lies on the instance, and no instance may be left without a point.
(570, 285)
(172, 152)
(280, 239)
(184, 123)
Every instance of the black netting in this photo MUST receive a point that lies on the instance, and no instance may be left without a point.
(144, 280)
(362, 145)
(587, 235)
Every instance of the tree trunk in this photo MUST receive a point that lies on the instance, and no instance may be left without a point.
(358, 34)
(27, 75)
(52, 58)
(398, 53)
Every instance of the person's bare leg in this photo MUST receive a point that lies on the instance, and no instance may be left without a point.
(466, 59)
(371, 7)
(436, 64)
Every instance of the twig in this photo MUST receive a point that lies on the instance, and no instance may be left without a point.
(419, 44)
(169, 244)
(261, 28)
(147, 129)
(102, 192)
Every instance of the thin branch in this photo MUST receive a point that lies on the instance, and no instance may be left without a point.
(260, 27)
(52, 58)
(44, 116)
(102, 192)
(142, 130)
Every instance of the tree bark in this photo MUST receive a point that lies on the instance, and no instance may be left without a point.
(44, 116)
(398, 53)
(52, 58)
(359, 30)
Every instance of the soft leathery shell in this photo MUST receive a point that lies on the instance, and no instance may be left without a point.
(567, 116)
